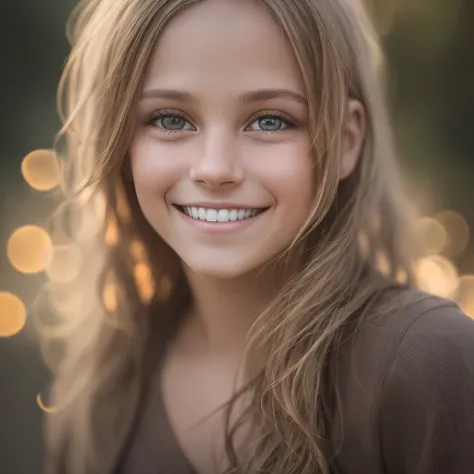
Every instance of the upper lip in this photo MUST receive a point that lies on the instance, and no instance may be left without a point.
(220, 205)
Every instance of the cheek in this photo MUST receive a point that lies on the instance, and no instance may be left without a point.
(288, 173)
(155, 169)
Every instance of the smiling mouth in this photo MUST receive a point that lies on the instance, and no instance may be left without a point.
(220, 215)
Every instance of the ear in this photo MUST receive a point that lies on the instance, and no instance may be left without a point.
(355, 129)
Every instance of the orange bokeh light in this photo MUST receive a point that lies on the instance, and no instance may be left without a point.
(29, 249)
(437, 275)
(12, 314)
(457, 230)
(112, 233)
(433, 235)
(465, 294)
(41, 170)
(144, 282)
(110, 297)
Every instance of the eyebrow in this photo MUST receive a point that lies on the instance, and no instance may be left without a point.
(260, 95)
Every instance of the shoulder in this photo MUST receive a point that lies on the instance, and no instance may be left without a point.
(431, 337)
(426, 401)
(409, 324)
(405, 384)
(427, 333)
(433, 360)
(437, 338)
(403, 328)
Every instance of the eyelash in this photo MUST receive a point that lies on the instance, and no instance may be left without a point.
(164, 113)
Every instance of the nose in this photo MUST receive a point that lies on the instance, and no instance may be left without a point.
(218, 161)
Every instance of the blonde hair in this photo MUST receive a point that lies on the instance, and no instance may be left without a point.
(102, 371)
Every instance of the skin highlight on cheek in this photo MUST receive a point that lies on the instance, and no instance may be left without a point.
(245, 143)
(223, 143)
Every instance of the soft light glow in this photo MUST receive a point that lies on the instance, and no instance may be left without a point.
(123, 209)
(137, 249)
(29, 249)
(382, 263)
(89, 215)
(86, 224)
(41, 170)
(65, 264)
(43, 407)
(437, 275)
(433, 235)
(63, 299)
(110, 297)
(112, 233)
(465, 294)
(457, 232)
(163, 290)
(12, 314)
(144, 282)
(401, 276)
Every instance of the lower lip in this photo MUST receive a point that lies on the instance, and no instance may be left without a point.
(220, 227)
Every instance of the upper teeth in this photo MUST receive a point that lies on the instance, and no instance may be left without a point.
(219, 215)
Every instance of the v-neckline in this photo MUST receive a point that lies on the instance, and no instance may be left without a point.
(164, 419)
(151, 397)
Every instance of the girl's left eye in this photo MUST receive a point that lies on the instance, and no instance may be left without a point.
(268, 123)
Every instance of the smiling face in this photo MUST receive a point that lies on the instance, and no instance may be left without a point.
(221, 155)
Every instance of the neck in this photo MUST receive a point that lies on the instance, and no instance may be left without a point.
(224, 310)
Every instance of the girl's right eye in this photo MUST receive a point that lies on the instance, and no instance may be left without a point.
(169, 122)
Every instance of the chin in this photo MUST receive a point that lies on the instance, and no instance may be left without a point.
(222, 268)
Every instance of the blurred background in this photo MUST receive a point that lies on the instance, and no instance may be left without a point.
(431, 73)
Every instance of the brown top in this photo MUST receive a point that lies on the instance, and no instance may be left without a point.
(406, 382)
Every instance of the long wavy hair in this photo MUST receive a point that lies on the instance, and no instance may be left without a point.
(99, 347)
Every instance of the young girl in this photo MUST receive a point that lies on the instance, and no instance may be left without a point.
(232, 317)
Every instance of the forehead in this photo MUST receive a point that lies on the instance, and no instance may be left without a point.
(223, 45)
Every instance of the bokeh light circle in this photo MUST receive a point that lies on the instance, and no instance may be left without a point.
(12, 314)
(66, 300)
(465, 294)
(433, 235)
(29, 249)
(437, 275)
(458, 232)
(41, 170)
(65, 264)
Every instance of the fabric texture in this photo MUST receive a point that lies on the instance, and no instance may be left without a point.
(406, 398)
